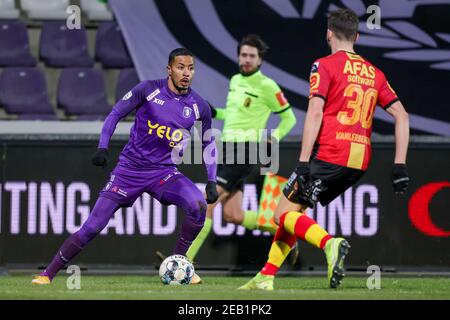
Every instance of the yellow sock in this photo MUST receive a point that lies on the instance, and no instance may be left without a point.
(305, 228)
(279, 250)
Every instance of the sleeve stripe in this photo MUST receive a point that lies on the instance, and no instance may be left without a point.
(319, 96)
(391, 103)
(278, 112)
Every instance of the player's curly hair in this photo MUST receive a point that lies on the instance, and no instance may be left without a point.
(344, 24)
(254, 40)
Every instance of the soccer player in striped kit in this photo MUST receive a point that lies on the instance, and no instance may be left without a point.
(166, 110)
(344, 91)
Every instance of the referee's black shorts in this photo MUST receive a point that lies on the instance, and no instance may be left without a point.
(232, 177)
(335, 178)
(238, 162)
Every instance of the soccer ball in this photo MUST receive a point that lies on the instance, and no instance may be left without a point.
(175, 270)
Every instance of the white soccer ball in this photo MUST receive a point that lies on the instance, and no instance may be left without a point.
(175, 270)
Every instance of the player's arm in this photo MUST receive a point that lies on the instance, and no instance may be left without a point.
(400, 177)
(401, 118)
(132, 100)
(209, 153)
(311, 128)
(287, 122)
(279, 105)
(306, 192)
(220, 113)
(388, 100)
(217, 113)
(319, 84)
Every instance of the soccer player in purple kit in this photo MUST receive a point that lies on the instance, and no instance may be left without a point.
(166, 110)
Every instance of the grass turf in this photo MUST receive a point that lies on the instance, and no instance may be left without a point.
(224, 288)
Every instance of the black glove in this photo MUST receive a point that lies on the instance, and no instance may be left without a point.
(100, 158)
(400, 178)
(306, 191)
(309, 195)
(302, 172)
(213, 110)
(211, 192)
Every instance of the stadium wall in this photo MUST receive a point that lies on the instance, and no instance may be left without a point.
(49, 185)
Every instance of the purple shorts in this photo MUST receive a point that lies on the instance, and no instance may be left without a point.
(126, 185)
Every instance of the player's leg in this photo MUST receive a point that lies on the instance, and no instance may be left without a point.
(282, 244)
(233, 213)
(183, 193)
(293, 221)
(122, 189)
(232, 177)
(103, 210)
(204, 232)
(229, 179)
(337, 179)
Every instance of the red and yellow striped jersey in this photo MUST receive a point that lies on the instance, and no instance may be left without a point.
(351, 87)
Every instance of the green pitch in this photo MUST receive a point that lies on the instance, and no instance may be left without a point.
(149, 287)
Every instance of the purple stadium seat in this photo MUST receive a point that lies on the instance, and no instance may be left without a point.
(126, 81)
(24, 91)
(14, 45)
(61, 47)
(91, 117)
(82, 91)
(110, 47)
(46, 117)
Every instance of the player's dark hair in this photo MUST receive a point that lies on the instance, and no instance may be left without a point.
(254, 40)
(179, 52)
(344, 24)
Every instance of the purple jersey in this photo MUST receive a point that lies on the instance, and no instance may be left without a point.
(162, 119)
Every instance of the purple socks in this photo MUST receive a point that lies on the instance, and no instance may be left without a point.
(189, 231)
(98, 219)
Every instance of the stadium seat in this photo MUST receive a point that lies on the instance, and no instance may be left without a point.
(8, 10)
(95, 10)
(23, 91)
(61, 47)
(126, 81)
(110, 47)
(91, 117)
(45, 9)
(43, 117)
(81, 91)
(14, 45)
